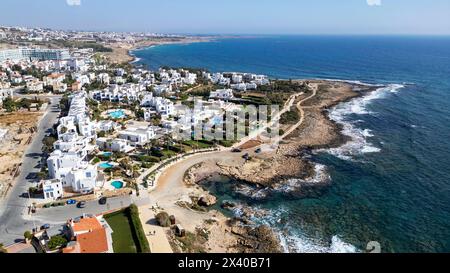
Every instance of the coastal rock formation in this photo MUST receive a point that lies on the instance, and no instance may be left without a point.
(192, 177)
(260, 239)
(207, 200)
(266, 172)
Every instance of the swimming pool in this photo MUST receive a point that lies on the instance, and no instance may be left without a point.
(118, 114)
(117, 184)
(108, 154)
(106, 165)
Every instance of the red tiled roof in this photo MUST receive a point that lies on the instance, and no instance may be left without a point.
(93, 242)
(86, 225)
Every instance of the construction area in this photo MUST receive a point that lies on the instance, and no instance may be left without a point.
(16, 133)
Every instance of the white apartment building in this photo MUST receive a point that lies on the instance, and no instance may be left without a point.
(77, 64)
(35, 86)
(82, 79)
(236, 78)
(163, 106)
(33, 54)
(52, 189)
(223, 94)
(104, 78)
(107, 126)
(53, 79)
(162, 88)
(138, 136)
(83, 178)
(120, 93)
(67, 163)
(114, 145)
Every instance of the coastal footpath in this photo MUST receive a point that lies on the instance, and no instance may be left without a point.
(178, 188)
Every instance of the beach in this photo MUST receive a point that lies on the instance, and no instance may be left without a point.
(122, 52)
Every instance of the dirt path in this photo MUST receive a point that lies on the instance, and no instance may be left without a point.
(314, 87)
(254, 135)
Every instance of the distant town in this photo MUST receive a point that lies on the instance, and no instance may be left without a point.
(77, 127)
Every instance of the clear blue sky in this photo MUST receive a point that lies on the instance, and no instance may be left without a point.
(235, 16)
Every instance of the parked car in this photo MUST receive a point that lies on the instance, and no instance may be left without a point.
(81, 205)
(258, 151)
(246, 156)
(236, 150)
(102, 201)
(71, 202)
(46, 226)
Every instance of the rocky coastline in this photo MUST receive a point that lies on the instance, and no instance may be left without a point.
(288, 169)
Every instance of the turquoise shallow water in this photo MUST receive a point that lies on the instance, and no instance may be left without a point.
(118, 114)
(106, 165)
(117, 184)
(391, 184)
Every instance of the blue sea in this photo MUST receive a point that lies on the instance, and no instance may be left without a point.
(391, 183)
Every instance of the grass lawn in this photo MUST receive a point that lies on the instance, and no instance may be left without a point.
(123, 239)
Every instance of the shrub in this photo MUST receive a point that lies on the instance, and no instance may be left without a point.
(147, 158)
(133, 213)
(28, 235)
(96, 160)
(163, 219)
(56, 242)
(146, 165)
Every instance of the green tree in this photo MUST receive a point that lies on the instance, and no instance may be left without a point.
(56, 242)
(9, 104)
(28, 235)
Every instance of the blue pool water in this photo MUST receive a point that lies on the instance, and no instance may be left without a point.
(118, 114)
(391, 184)
(106, 165)
(117, 184)
(108, 154)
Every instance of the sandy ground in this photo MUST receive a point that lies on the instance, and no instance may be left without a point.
(156, 235)
(171, 189)
(21, 127)
(121, 51)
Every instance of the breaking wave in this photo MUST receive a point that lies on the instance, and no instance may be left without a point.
(294, 241)
(320, 176)
(359, 137)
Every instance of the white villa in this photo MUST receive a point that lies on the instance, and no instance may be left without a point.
(162, 106)
(52, 189)
(138, 136)
(223, 94)
(118, 93)
(114, 145)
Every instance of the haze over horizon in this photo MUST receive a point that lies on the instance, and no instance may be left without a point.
(255, 17)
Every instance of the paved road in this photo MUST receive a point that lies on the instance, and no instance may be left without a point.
(60, 215)
(13, 207)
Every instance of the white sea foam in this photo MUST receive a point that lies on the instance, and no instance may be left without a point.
(251, 191)
(320, 176)
(351, 82)
(340, 114)
(136, 60)
(294, 241)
